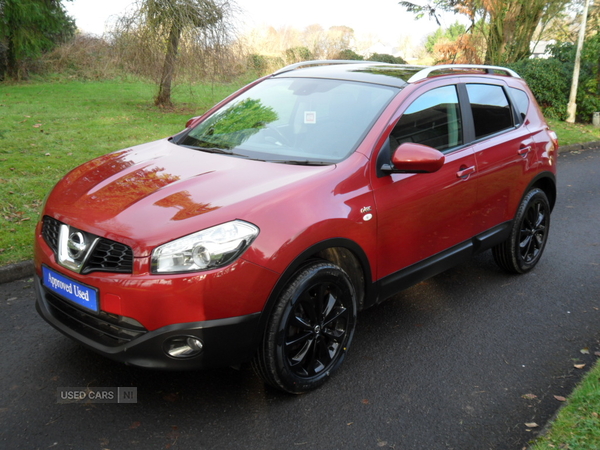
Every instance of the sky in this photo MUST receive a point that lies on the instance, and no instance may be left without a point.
(385, 19)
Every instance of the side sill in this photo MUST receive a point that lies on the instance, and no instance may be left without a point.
(430, 267)
(492, 237)
(405, 278)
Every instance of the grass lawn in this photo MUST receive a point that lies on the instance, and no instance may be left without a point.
(577, 426)
(48, 128)
(574, 133)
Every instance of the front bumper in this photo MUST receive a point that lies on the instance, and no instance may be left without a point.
(226, 342)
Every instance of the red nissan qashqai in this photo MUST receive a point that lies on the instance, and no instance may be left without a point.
(259, 231)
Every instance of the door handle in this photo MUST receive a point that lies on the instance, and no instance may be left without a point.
(464, 172)
(524, 150)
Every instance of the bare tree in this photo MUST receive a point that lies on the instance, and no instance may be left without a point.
(160, 27)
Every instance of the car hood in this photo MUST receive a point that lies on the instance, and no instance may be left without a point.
(156, 192)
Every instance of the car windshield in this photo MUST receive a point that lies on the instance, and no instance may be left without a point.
(293, 120)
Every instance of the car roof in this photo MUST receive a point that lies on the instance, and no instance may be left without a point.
(378, 73)
(397, 75)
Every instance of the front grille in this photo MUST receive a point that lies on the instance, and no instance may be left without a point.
(108, 329)
(107, 255)
(110, 256)
(50, 231)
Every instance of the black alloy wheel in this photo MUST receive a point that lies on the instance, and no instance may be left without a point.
(522, 251)
(310, 329)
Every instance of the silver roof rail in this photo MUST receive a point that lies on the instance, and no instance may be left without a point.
(322, 62)
(423, 74)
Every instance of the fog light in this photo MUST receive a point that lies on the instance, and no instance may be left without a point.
(183, 346)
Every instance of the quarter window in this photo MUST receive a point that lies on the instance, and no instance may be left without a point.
(491, 110)
(521, 101)
(433, 119)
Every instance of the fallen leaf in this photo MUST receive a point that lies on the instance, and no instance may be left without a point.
(134, 425)
(173, 397)
(529, 396)
(560, 398)
(531, 425)
(585, 351)
(597, 353)
(365, 401)
(37, 125)
(579, 366)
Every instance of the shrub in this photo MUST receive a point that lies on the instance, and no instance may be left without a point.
(298, 54)
(588, 101)
(349, 55)
(262, 64)
(588, 91)
(549, 81)
(257, 62)
(385, 58)
(84, 57)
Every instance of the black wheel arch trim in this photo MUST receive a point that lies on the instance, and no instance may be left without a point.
(309, 255)
(546, 181)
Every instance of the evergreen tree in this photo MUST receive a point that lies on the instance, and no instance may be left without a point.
(29, 28)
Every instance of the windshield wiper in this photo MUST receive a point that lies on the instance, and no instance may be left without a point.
(304, 162)
(220, 151)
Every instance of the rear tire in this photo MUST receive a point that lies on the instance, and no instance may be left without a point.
(309, 331)
(523, 249)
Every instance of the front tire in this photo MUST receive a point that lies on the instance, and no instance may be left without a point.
(523, 250)
(310, 329)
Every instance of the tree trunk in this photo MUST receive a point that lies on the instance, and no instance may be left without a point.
(13, 64)
(163, 100)
(511, 28)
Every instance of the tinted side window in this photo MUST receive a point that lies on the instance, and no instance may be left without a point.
(433, 119)
(491, 110)
(521, 101)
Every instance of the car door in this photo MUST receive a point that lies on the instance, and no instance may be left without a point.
(504, 151)
(422, 214)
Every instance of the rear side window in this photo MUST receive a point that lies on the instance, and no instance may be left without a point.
(433, 119)
(491, 110)
(521, 101)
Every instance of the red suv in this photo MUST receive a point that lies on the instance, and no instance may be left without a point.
(258, 232)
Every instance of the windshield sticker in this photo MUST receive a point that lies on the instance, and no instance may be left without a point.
(310, 117)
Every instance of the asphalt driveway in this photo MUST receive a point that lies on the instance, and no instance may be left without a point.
(462, 361)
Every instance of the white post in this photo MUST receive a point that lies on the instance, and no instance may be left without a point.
(572, 106)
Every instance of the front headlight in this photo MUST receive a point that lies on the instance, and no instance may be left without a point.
(207, 249)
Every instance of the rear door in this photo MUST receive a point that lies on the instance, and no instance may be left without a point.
(504, 151)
